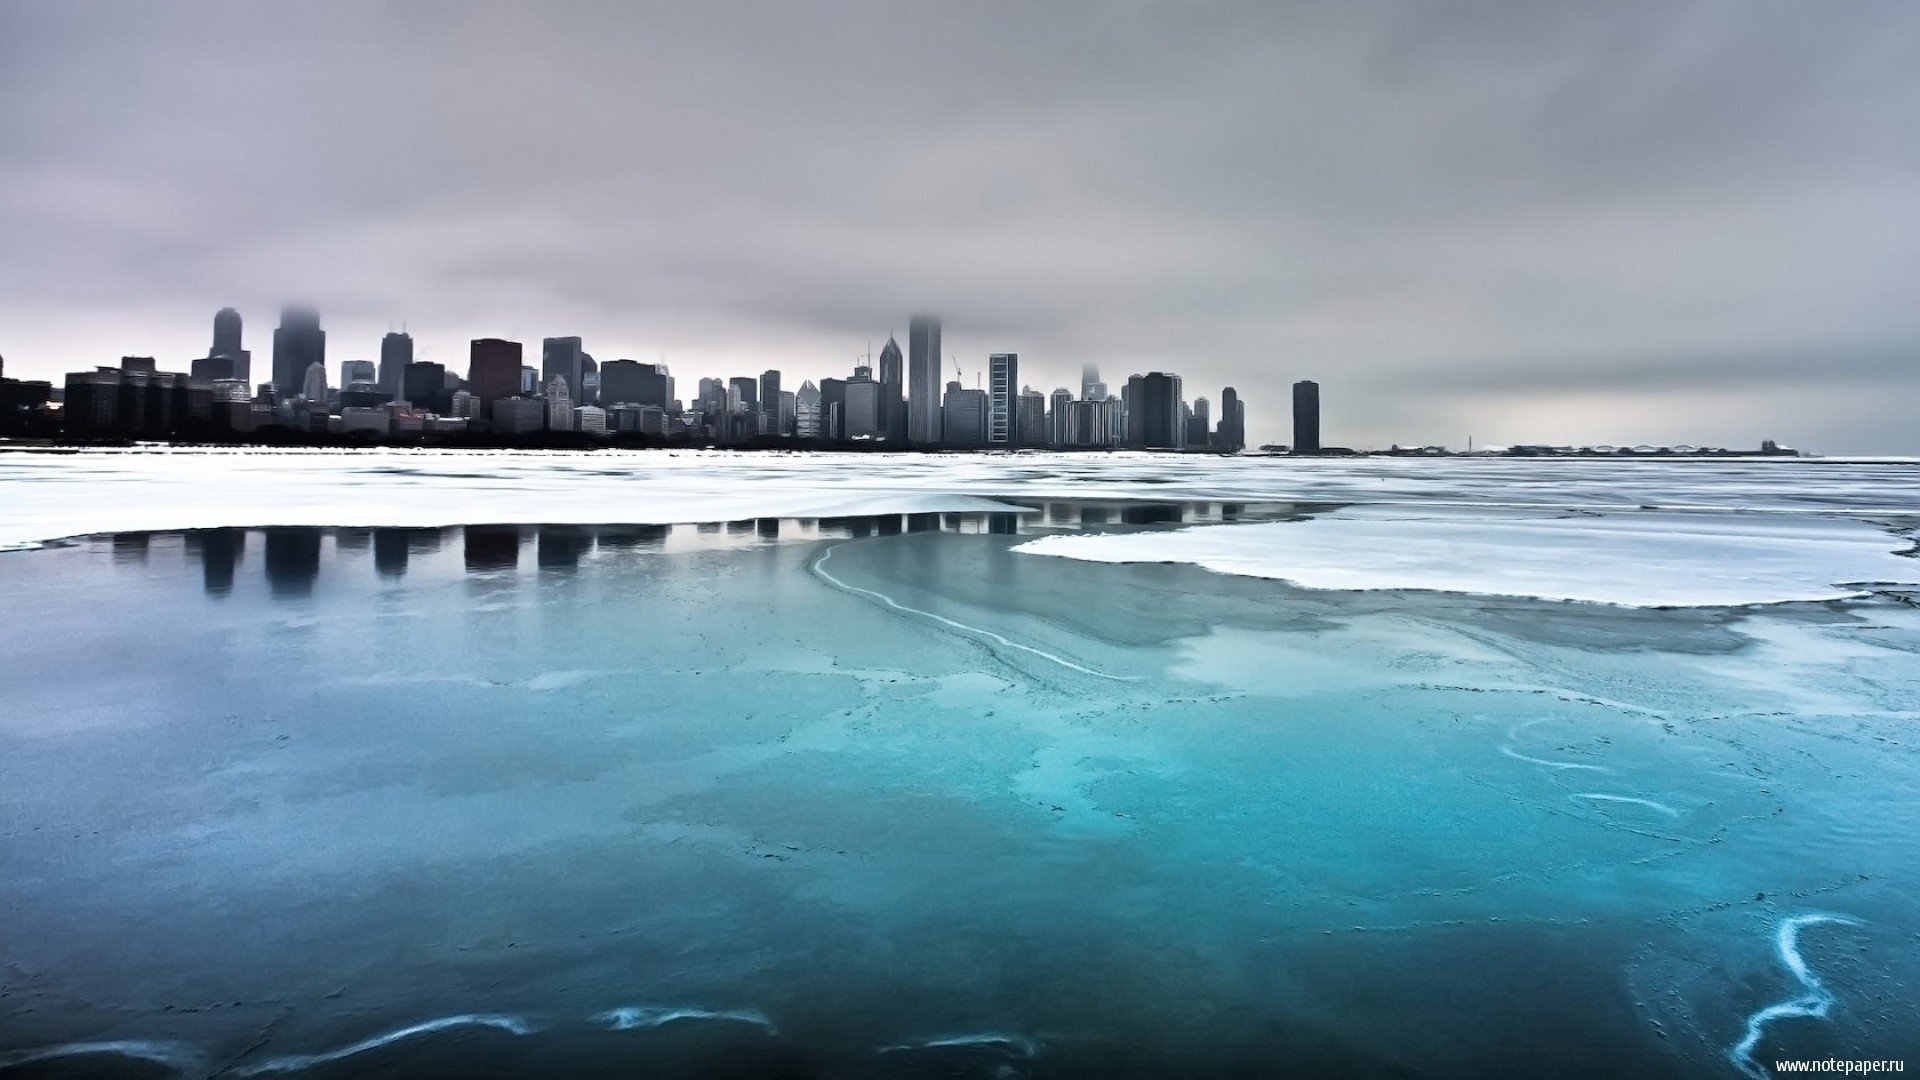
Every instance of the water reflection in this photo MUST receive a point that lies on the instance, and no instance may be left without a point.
(293, 560)
(561, 546)
(292, 556)
(219, 551)
(492, 547)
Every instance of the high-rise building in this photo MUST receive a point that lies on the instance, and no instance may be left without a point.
(1306, 417)
(559, 404)
(627, 382)
(893, 391)
(1091, 388)
(963, 416)
(860, 410)
(1003, 392)
(806, 411)
(1231, 436)
(529, 380)
(924, 405)
(1060, 408)
(227, 358)
(1152, 402)
(1031, 419)
(493, 371)
(743, 394)
(314, 386)
(298, 344)
(396, 352)
(562, 357)
(769, 402)
(1199, 424)
(424, 385)
(590, 419)
(357, 371)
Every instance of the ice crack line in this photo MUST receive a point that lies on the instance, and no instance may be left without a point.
(1816, 1003)
(819, 570)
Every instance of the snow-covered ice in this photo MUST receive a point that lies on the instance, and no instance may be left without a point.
(1642, 559)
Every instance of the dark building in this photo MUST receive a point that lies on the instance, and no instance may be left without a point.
(396, 352)
(1230, 437)
(298, 344)
(1306, 417)
(1003, 393)
(833, 409)
(924, 406)
(23, 406)
(744, 392)
(425, 386)
(770, 402)
(562, 356)
(227, 358)
(134, 401)
(627, 382)
(493, 371)
(1153, 412)
(963, 416)
(893, 391)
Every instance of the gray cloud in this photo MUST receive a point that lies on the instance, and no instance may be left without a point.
(1621, 222)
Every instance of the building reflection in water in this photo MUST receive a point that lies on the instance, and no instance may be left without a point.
(131, 547)
(292, 560)
(561, 546)
(632, 536)
(219, 551)
(768, 528)
(352, 541)
(1151, 514)
(393, 547)
(492, 547)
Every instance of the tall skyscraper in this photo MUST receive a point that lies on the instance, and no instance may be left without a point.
(1003, 392)
(298, 344)
(1091, 388)
(1059, 414)
(923, 380)
(1153, 411)
(493, 371)
(627, 382)
(1306, 417)
(893, 391)
(963, 416)
(396, 352)
(1030, 421)
(226, 333)
(860, 408)
(424, 385)
(562, 357)
(314, 386)
(806, 411)
(743, 394)
(1231, 436)
(227, 358)
(769, 402)
(354, 371)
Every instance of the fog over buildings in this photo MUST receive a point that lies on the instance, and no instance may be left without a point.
(1612, 223)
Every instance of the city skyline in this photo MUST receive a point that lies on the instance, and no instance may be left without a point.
(1631, 223)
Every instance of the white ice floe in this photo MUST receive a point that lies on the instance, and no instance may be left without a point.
(46, 496)
(1637, 559)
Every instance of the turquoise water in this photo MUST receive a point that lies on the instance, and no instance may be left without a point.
(880, 797)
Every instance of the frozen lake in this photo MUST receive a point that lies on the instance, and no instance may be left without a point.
(697, 764)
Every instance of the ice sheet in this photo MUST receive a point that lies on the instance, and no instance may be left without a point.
(1635, 559)
(46, 496)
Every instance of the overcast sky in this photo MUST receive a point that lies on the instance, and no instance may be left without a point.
(1615, 222)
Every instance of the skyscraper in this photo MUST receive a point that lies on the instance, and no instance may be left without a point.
(1091, 388)
(559, 404)
(314, 386)
(1306, 417)
(1031, 419)
(963, 416)
(493, 371)
(923, 380)
(1153, 411)
(298, 344)
(1231, 436)
(860, 409)
(627, 382)
(355, 371)
(1058, 416)
(562, 357)
(806, 411)
(396, 352)
(226, 359)
(1003, 392)
(893, 391)
(769, 402)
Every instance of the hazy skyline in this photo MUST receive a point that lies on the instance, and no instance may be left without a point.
(1607, 223)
